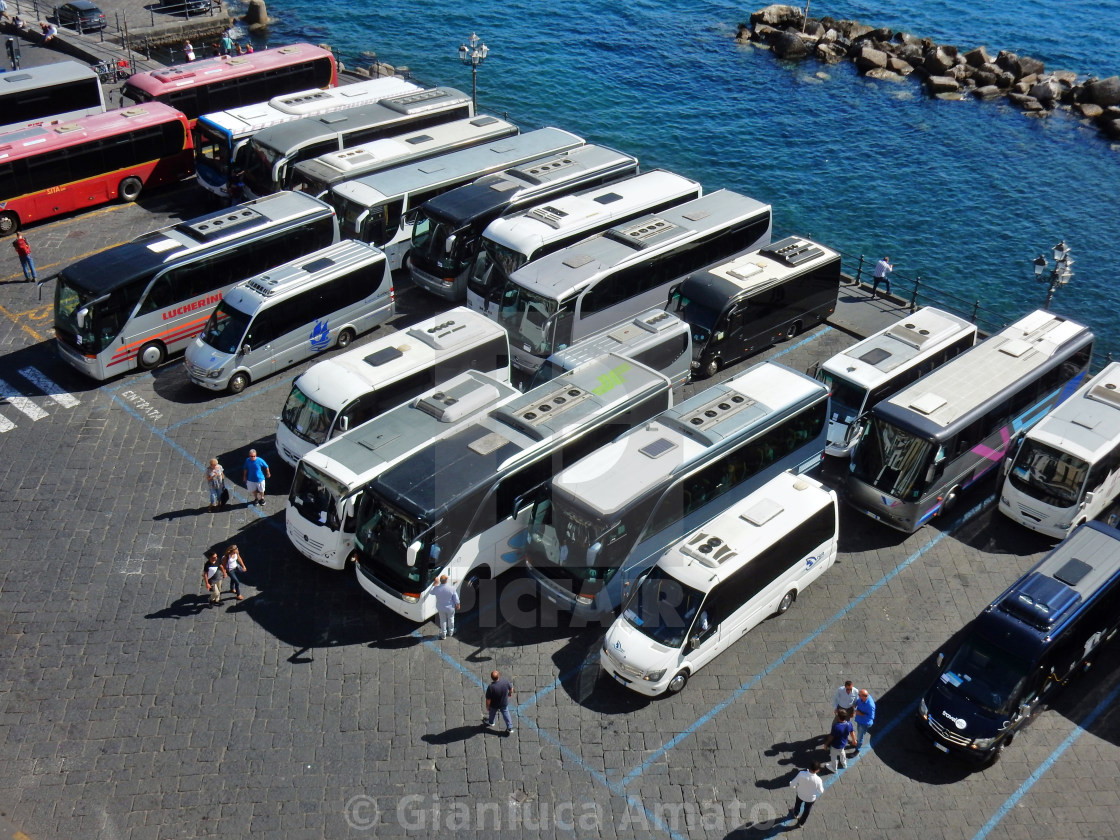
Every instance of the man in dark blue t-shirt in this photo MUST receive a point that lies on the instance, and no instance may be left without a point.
(841, 735)
(497, 698)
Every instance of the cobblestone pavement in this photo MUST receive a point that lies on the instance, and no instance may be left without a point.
(132, 710)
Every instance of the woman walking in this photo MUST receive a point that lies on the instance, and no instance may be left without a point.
(233, 564)
(215, 483)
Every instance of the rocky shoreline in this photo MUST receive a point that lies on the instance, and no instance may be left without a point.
(946, 71)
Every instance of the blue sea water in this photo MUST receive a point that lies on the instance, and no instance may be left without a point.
(963, 194)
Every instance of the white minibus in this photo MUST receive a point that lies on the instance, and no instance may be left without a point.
(338, 394)
(277, 319)
(1066, 470)
(884, 363)
(722, 580)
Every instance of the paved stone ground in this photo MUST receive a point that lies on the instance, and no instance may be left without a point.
(130, 709)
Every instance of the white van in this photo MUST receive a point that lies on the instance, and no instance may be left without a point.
(341, 393)
(279, 318)
(658, 339)
(721, 581)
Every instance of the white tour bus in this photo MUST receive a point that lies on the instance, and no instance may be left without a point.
(272, 152)
(448, 228)
(134, 304)
(318, 175)
(291, 313)
(883, 364)
(339, 394)
(220, 138)
(584, 288)
(380, 208)
(724, 579)
(319, 518)
(459, 506)
(1067, 469)
(658, 339)
(51, 93)
(592, 532)
(512, 241)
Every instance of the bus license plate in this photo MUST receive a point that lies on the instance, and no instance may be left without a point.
(620, 679)
(941, 747)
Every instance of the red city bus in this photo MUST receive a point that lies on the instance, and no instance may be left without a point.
(229, 81)
(53, 169)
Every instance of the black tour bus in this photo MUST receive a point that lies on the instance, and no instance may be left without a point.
(1031, 641)
(746, 303)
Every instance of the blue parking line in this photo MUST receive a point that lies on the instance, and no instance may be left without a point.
(1013, 800)
(739, 692)
(802, 342)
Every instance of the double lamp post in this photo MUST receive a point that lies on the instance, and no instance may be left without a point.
(473, 53)
(1059, 275)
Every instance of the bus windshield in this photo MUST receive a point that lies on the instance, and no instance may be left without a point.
(892, 460)
(1053, 477)
(525, 315)
(259, 160)
(845, 398)
(492, 268)
(663, 608)
(384, 535)
(315, 496)
(225, 329)
(102, 317)
(583, 547)
(703, 320)
(212, 146)
(430, 240)
(305, 418)
(351, 222)
(990, 677)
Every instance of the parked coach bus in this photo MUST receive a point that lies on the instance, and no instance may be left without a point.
(605, 520)
(319, 518)
(272, 152)
(135, 304)
(59, 168)
(920, 448)
(581, 289)
(457, 505)
(739, 307)
(884, 363)
(447, 230)
(56, 92)
(1066, 471)
(229, 81)
(220, 137)
(1031, 641)
(318, 175)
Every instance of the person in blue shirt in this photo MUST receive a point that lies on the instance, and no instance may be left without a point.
(864, 716)
(255, 472)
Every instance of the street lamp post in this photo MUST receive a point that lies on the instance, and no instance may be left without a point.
(474, 55)
(1059, 275)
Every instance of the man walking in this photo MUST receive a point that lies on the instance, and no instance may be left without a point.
(497, 698)
(845, 699)
(25, 260)
(841, 736)
(864, 717)
(212, 575)
(807, 787)
(882, 269)
(255, 472)
(447, 602)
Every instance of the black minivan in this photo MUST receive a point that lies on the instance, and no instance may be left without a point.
(1027, 644)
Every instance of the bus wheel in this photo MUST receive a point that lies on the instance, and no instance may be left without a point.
(712, 367)
(130, 189)
(793, 330)
(238, 383)
(786, 602)
(151, 355)
(345, 338)
(474, 579)
(8, 222)
(677, 683)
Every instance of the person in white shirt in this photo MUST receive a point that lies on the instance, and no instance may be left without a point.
(447, 602)
(808, 787)
(845, 698)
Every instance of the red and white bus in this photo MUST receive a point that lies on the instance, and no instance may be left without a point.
(229, 81)
(54, 169)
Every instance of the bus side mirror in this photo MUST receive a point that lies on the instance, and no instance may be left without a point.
(348, 508)
(449, 243)
(1088, 500)
(593, 553)
(1025, 710)
(940, 659)
(694, 642)
(412, 553)
(246, 349)
(81, 318)
(344, 423)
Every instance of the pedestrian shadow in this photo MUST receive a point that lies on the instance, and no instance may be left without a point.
(800, 754)
(763, 828)
(183, 607)
(453, 735)
(172, 515)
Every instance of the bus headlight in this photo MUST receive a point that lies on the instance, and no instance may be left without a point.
(654, 676)
(923, 709)
(984, 743)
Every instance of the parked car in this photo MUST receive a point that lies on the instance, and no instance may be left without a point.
(81, 15)
(184, 6)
